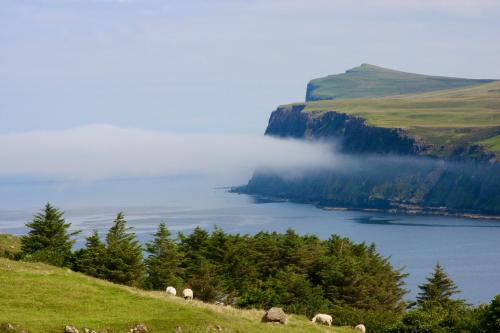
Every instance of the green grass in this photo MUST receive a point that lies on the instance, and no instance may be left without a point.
(370, 81)
(9, 244)
(492, 144)
(447, 117)
(42, 298)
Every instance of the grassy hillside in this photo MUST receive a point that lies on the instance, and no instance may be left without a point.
(9, 245)
(442, 118)
(370, 81)
(42, 298)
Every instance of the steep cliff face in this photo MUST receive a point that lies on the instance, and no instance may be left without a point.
(352, 132)
(388, 169)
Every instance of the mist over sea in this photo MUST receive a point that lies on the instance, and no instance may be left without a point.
(468, 249)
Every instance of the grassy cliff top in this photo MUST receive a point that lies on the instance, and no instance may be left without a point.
(42, 298)
(370, 81)
(444, 118)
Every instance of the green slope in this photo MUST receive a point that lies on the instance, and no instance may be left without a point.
(445, 118)
(370, 81)
(42, 298)
(9, 245)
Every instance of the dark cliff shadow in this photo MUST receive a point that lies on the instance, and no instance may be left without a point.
(387, 221)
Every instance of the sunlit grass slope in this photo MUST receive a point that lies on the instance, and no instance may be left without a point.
(447, 117)
(369, 81)
(9, 244)
(42, 298)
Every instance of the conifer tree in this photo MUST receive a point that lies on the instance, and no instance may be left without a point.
(194, 248)
(491, 320)
(163, 263)
(123, 260)
(91, 259)
(438, 288)
(48, 239)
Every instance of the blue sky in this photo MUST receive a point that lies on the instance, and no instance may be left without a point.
(217, 66)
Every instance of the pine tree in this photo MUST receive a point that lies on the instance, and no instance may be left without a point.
(163, 263)
(91, 259)
(123, 260)
(438, 289)
(205, 282)
(48, 239)
(491, 320)
(194, 248)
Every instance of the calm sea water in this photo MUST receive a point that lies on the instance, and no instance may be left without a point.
(468, 249)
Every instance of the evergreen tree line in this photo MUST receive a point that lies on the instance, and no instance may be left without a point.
(302, 274)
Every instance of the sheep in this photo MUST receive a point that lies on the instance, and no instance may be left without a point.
(360, 328)
(171, 291)
(187, 294)
(322, 319)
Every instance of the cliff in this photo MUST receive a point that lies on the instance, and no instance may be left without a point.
(354, 135)
(413, 153)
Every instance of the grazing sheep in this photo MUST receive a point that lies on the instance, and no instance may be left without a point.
(171, 291)
(360, 328)
(187, 293)
(322, 319)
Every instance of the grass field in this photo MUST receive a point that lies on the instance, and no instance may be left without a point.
(370, 81)
(42, 298)
(447, 117)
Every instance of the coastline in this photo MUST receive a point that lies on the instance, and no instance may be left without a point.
(395, 210)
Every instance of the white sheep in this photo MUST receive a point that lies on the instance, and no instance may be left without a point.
(360, 328)
(171, 291)
(187, 293)
(322, 319)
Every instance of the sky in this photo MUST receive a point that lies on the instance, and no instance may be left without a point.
(217, 66)
(94, 89)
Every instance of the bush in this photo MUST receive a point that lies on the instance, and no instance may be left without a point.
(375, 321)
(453, 317)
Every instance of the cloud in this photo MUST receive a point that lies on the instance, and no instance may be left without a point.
(104, 151)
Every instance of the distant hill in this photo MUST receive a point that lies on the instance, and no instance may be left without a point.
(443, 119)
(42, 298)
(370, 81)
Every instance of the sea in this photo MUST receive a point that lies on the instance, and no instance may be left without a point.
(469, 249)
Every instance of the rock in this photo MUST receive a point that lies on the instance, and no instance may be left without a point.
(86, 330)
(71, 329)
(7, 327)
(139, 328)
(274, 315)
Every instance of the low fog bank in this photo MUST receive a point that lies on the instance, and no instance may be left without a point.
(99, 152)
